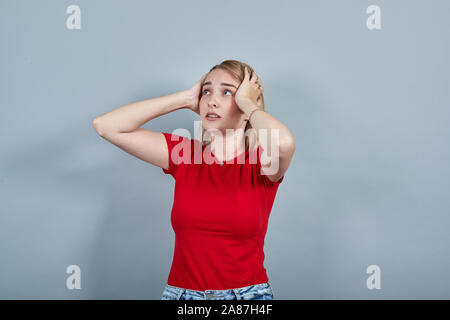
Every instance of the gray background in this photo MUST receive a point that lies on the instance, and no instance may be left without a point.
(369, 109)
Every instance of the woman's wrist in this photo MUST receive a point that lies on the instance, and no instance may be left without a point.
(184, 99)
(253, 111)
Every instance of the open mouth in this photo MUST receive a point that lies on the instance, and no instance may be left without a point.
(212, 116)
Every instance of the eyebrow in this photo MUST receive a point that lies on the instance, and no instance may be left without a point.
(222, 83)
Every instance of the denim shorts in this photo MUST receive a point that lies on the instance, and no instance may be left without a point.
(262, 291)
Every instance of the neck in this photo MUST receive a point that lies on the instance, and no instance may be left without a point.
(228, 146)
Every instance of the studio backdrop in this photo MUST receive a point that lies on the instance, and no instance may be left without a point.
(363, 211)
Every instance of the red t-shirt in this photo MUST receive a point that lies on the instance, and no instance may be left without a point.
(220, 215)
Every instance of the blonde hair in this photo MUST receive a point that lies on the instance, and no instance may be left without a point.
(236, 68)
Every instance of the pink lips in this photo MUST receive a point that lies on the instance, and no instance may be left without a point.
(212, 118)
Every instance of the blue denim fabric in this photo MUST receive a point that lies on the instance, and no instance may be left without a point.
(262, 291)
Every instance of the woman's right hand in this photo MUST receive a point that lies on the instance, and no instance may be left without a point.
(194, 94)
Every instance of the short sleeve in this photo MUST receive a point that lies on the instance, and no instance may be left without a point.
(264, 177)
(172, 141)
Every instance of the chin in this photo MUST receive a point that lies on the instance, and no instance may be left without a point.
(212, 124)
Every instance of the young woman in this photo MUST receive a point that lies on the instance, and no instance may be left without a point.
(225, 184)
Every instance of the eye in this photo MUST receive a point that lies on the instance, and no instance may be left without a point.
(204, 91)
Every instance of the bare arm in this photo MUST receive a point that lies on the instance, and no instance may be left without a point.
(132, 116)
(285, 145)
(122, 126)
(248, 101)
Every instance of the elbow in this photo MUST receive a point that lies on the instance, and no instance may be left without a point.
(287, 145)
(98, 126)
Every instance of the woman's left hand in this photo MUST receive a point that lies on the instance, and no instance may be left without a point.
(249, 92)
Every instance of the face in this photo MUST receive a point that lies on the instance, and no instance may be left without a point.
(217, 96)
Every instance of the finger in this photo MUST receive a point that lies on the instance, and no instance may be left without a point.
(250, 75)
(246, 74)
(255, 77)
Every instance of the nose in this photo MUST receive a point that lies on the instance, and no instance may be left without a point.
(212, 102)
